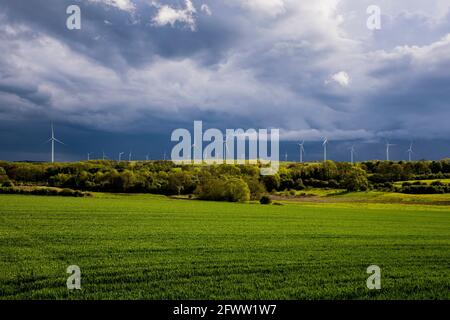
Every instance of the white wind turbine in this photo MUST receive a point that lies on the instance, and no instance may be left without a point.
(129, 156)
(388, 147)
(225, 147)
(302, 150)
(324, 144)
(89, 156)
(352, 154)
(194, 146)
(410, 152)
(52, 140)
(120, 156)
(286, 157)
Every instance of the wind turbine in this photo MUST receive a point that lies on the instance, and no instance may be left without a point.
(286, 157)
(324, 144)
(52, 140)
(302, 150)
(89, 156)
(225, 148)
(410, 152)
(104, 156)
(193, 146)
(120, 156)
(146, 157)
(352, 154)
(129, 156)
(388, 146)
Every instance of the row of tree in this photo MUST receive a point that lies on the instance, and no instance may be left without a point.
(218, 182)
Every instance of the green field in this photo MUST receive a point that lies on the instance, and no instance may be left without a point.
(152, 247)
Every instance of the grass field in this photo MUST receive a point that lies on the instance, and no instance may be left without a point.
(339, 195)
(152, 247)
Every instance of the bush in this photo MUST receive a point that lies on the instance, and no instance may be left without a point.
(236, 190)
(8, 184)
(423, 189)
(256, 187)
(265, 200)
(356, 180)
(333, 184)
(43, 191)
(272, 182)
(298, 184)
(3, 176)
(316, 183)
(223, 189)
(406, 184)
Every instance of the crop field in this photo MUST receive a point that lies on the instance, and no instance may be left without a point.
(154, 247)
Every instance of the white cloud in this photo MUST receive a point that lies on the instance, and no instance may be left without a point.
(126, 5)
(266, 7)
(168, 15)
(205, 8)
(342, 78)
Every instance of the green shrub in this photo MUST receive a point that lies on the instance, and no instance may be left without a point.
(43, 191)
(423, 189)
(333, 184)
(255, 186)
(298, 184)
(230, 189)
(265, 200)
(236, 190)
(272, 182)
(356, 180)
(8, 184)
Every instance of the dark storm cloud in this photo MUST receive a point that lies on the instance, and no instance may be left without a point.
(115, 37)
(30, 93)
(306, 67)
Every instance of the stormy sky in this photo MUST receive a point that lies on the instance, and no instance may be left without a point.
(138, 69)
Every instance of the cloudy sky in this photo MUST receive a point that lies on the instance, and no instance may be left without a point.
(139, 69)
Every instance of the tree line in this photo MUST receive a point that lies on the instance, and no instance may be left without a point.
(222, 182)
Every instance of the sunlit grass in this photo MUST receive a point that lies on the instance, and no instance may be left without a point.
(152, 247)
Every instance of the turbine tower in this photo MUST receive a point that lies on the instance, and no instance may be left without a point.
(129, 156)
(225, 145)
(52, 140)
(286, 157)
(194, 146)
(324, 144)
(302, 150)
(352, 154)
(410, 152)
(89, 156)
(388, 146)
(120, 156)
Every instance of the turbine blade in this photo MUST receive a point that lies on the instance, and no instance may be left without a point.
(59, 141)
